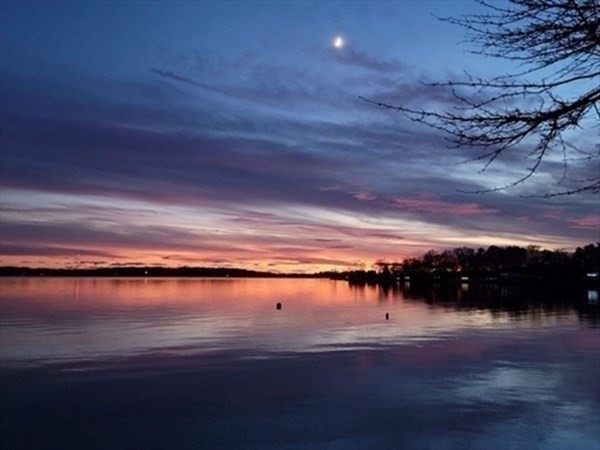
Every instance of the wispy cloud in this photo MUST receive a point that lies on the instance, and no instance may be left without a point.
(357, 58)
(591, 222)
(431, 204)
(176, 77)
(364, 195)
(51, 250)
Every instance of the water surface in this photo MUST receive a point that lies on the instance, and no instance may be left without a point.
(211, 363)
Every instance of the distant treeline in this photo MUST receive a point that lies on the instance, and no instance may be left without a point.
(494, 264)
(152, 271)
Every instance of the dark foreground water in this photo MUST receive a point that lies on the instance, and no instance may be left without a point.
(205, 363)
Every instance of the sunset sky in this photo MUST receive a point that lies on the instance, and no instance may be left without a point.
(231, 134)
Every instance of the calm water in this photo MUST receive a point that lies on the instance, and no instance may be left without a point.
(211, 363)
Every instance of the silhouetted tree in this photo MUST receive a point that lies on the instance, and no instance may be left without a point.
(587, 259)
(557, 44)
(465, 258)
(530, 261)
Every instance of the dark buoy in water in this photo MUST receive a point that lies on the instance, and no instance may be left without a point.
(278, 306)
(387, 316)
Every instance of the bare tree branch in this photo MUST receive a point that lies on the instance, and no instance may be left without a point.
(557, 42)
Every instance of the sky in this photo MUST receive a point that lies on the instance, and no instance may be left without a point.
(232, 134)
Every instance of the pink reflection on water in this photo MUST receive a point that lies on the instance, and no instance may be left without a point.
(54, 319)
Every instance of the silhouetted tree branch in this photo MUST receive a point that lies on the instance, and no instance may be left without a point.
(556, 42)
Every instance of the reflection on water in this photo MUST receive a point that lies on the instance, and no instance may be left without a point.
(212, 363)
(51, 320)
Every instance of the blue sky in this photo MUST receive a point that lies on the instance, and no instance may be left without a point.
(231, 134)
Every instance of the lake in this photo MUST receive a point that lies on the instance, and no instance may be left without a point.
(90, 363)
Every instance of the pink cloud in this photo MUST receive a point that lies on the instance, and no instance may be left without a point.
(553, 213)
(524, 219)
(591, 222)
(334, 187)
(355, 191)
(433, 205)
(363, 195)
